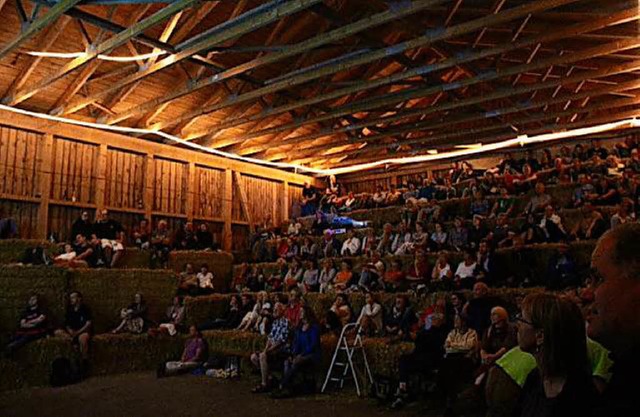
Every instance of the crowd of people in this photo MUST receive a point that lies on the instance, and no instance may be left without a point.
(102, 243)
(536, 347)
(607, 193)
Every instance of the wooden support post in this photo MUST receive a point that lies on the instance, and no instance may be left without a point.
(46, 167)
(227, 233)
(191, 191)
(148, 186)
(101, 177)
(244, 205)
(286, 205)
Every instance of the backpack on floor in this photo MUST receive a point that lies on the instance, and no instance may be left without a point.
(64, 372)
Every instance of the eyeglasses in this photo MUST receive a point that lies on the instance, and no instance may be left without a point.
(520, 319)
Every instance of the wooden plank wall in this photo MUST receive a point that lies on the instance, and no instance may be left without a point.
(47, 180)
(73, 171)
(209, 193)
(19, 168)
(124, 179)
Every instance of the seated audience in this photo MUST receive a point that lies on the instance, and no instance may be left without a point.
(394, 278)
(173, 322)
(33, 325)
(623, 214)
(539, 201)
(275, 351)
(477, 232)
(141, 234)
(372, 274)
(398, 321)
(305, 352)
(204, 238)
(231, 318)
(82, 226)
(205, 280)
(294, 275)
(109, 235)
(185, 237)
(480, 205)
(344, 277)
(77, 325)
(193, 355)
(134, 317)
(551, 226)
(370, 319)
(310, 199)
(160, 245)
(251, 318)
(464, 276)
(309, 249)
(438, 238)
(327, 275)
(340, 314)
(458, 236)
(419, 274)
(188, 280)
(351, 246)
(310, 277)
(294, 308)
(552, 329)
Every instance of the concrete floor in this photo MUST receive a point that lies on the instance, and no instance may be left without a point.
(142, 395)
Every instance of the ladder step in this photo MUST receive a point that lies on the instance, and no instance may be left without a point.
(335, 379)
(340, 364)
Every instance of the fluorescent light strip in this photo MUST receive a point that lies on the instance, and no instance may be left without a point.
(74, 55)
(521, 140)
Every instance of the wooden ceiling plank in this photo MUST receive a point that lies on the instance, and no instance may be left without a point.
(247, 22)
(34, 27)
(104, 47)
(292, 50)
(522, 11)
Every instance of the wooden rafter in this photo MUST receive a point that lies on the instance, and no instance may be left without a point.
(431, 37)
(258, 17)
(104, 47)
(488, 76)
(46, 40)
(275, 57)
(41, 23)
(604, 118)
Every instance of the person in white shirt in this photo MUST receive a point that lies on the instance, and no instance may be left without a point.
(370, 316)
(442, 268)
(351, 246)
(327, 275)
(68, 255)
(462, 339)
(466, 269)
(205, 280)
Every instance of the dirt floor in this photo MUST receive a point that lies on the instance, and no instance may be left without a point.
(142, 395)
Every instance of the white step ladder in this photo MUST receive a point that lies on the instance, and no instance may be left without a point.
(343, 359)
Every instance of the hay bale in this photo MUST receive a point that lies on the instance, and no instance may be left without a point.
(135, 258)
(17, 283)
(106, 291)
(13, 250)
(220, 264)
(200, 309)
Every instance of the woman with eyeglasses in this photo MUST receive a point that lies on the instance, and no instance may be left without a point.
(552, 329)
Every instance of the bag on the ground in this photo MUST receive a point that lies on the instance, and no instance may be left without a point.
(64, 372)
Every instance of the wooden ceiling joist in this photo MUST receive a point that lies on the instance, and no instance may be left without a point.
(245, 23)
(608, 21)
(104, 47)
(432, 36)
(496, 95)
(39, 24)
(289, 51)
(404, 95)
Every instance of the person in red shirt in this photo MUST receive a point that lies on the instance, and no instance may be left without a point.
(294, 307)
(419, 273)
(394, 278)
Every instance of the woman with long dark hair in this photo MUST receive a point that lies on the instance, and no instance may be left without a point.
(552, 329)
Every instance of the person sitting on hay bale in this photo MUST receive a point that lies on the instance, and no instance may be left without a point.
(193, 355)
(133, 317)
(32, 326)
(174, 319)
(275, 351)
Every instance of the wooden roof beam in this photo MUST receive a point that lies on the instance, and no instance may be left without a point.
(260, 16)
(291, 50)
(104, 47)
(431, 37)
(499, 94)
(34, 27)
(448, 123)
(465, 57)
(605, 118)
(47, 39)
